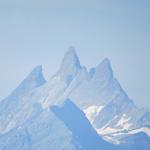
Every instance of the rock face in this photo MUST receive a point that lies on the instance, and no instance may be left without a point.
(70, 66)
(82, 131)
(36, 115)
(137, 141)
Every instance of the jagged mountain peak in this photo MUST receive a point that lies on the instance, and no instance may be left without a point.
(97, 91)
(36, 76)
(37, 70)
(70, 65)
(105, 64)
(71, 50)
(33, 80)
(71, 58)
(103, 71)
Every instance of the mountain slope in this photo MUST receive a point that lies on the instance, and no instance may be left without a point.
(16, 107)
(47, 132)
(136, 142)
(43, 131)
(96, 92)
(82, 131)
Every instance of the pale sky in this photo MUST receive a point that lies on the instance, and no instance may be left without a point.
(34, 32)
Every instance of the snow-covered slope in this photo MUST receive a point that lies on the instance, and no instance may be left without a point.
(15, 109)
(96, 92)
(55, 128)
(43, 131)
(82, 131)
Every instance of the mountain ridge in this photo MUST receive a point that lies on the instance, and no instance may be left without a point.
(112, 109)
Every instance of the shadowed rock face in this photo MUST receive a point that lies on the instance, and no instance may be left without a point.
(138, 141)
(85, 137)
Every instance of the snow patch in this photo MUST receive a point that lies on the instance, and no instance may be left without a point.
(92, 112)
(124, 122)
(144, 129)
(107, 131)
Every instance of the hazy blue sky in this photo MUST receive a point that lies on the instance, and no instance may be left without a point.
(36, 32)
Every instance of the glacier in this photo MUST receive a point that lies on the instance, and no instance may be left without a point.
(76, 109)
